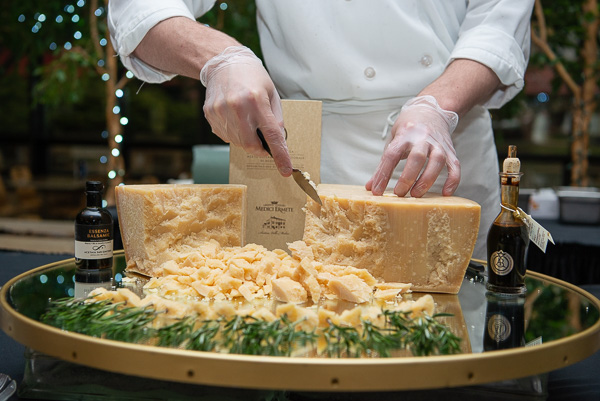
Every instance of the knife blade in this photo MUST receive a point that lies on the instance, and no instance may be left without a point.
(302, 179)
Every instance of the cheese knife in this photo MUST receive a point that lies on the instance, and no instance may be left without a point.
(301, 178)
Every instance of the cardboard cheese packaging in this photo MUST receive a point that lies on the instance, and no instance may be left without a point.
(275, 216)
(426, 241)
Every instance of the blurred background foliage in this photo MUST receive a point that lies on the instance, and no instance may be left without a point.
(39, 66)
(52, 96)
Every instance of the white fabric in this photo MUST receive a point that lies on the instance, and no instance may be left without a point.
(364, 59)
(408, 43)
(129, 21)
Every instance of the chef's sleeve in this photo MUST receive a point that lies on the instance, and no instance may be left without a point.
(496, 33)
(130, 20)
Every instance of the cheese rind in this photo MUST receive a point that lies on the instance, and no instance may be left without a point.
(426, 241)
(159, 221)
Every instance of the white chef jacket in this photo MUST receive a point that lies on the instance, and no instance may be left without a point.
(364, 59)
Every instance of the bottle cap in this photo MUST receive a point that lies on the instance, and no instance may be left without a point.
(93, 186)
(512, 164)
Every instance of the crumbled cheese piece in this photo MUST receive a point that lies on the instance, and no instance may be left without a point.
(424, 304)
(308, 318)
(350, 288)
(300, 250)
(287, 290)
(386, 295)
(264, 314)
(402, 287)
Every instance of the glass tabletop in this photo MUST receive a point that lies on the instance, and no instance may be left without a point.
(553, 319)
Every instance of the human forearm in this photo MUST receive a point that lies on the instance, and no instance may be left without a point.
(240, 95)
(181, 46)
(463, 85)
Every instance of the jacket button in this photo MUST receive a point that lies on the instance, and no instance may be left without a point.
(369, 73)
(426, 60)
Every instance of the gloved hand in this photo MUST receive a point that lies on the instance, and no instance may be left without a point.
(240, 97)
(421, 135)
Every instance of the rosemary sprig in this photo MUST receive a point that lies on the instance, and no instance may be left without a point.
(378, 341)
(431, 337)
(101, 319)
(174, 335)
(423, 335)
(204, 337)
(342, 341)
(248, 335)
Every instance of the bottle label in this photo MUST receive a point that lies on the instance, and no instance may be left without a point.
(94, 250)
(501, 263)
(82, 290)
(94, 242)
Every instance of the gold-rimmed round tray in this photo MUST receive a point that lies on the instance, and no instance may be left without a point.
(23, 299)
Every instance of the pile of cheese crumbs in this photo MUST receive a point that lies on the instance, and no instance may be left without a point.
(219, 273)
(308, 318)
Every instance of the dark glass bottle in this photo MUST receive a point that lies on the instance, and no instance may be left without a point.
(508, 237)
(94, 230)
(504, 321)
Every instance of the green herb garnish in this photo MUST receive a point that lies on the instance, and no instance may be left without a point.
(101, 319)
(248, 335)
(422, 335)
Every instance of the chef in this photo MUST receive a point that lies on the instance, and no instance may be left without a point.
(406, 85)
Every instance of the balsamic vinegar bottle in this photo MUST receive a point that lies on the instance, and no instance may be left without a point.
(94, 229)
(508, 237)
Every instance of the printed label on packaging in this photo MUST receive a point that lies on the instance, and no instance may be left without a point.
(275, 204)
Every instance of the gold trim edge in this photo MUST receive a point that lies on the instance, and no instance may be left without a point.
(296, 373)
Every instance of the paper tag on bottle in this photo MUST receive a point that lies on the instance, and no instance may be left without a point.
(537, 234)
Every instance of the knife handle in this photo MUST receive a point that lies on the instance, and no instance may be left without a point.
(263, 141)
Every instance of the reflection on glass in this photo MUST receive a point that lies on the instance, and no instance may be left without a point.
(548, 311)
(86, 280)
(554, 312)
(504, 322)
(505, 325)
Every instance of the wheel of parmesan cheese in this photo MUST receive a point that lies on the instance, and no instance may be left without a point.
(426, 241)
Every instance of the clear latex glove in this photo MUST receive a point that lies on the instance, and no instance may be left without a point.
(421, 135)
(241, 98)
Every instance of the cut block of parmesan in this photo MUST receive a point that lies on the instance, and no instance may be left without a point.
(426, 241)
(159, 221)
